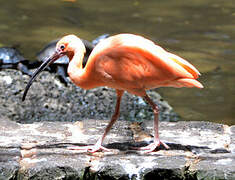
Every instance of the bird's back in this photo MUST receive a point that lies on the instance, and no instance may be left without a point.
(131, 62)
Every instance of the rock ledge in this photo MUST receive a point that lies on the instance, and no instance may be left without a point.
(198, 150)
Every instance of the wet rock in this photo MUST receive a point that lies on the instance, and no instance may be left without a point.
(198, 150)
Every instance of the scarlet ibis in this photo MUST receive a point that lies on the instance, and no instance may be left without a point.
(125, 62)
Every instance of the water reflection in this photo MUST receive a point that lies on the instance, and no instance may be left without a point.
(200, 31)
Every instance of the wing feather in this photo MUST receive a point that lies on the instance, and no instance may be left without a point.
(138, 62)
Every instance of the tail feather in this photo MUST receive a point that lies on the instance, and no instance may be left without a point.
(186, 65)
(189, 83)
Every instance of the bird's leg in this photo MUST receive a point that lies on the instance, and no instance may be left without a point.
(98, 146)
(151, 147)
(114, 118)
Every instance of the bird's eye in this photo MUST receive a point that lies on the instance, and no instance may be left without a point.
(62, 47)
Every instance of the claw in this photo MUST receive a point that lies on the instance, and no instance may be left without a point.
(98, 148)
(91, 149)
(152, 147)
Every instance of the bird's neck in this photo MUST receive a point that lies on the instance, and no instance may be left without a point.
(76, 59)
(75, 69)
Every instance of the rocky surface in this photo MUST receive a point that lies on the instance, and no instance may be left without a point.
(35, 136)
(198, 150)
(49, 100)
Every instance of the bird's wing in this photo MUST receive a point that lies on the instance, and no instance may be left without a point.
(139, 62)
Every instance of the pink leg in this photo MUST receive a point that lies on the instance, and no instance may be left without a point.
(98, 146)
(151, 147)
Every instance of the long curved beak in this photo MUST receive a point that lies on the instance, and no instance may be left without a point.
(43, 66)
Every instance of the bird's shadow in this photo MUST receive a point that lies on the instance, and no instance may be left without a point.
(124, 147)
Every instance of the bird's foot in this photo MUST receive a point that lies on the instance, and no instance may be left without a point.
(152, 147)
(90, 149)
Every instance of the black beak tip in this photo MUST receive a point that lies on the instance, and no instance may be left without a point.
(25, 93)
(23, 98)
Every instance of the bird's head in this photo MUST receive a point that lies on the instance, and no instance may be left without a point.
(68, 45)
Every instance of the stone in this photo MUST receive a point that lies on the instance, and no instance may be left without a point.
(198, 150)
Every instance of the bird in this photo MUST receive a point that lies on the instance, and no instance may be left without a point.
(124, 62)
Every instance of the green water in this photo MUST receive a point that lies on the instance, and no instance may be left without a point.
(201, 31)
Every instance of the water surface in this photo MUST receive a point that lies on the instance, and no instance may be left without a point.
(200, 31)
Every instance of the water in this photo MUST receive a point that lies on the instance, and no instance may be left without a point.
(200, 31)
